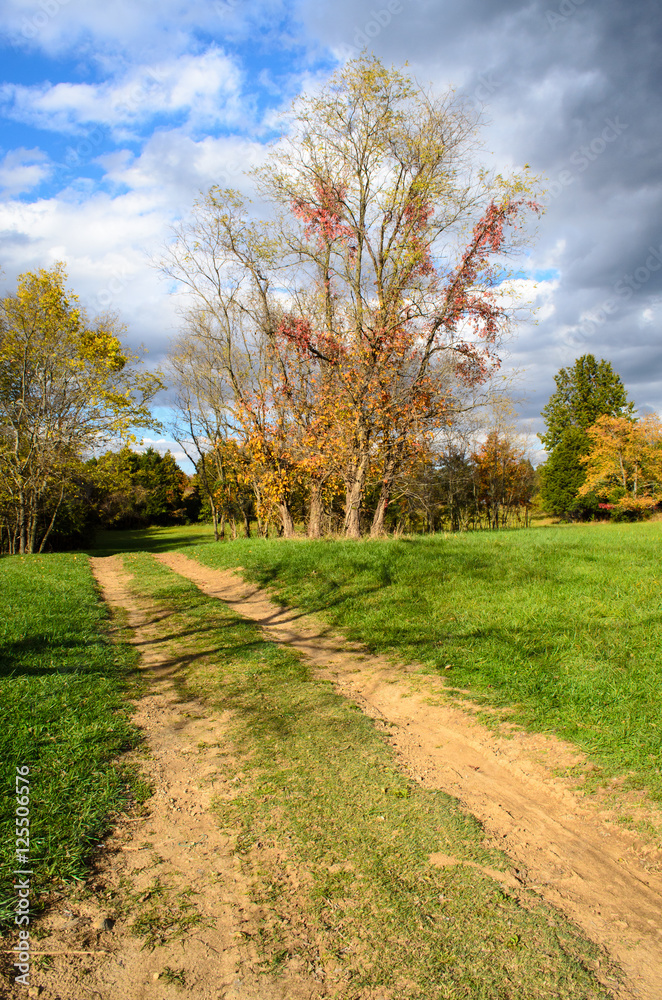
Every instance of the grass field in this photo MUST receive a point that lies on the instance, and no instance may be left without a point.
(336, 840)
(561, 623)
(152, 539)
(63, 713)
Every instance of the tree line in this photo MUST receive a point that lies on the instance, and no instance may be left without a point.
(479, 480)
(69, 382)
(335, 350)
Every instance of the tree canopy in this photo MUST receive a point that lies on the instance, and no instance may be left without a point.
(347, 329)
(584, 392)
(562, 476)
(624, 463)
(66, 383)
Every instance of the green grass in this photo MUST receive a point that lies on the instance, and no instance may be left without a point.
(561, 623)
(63, 713)
(336, 840)
(155, 539)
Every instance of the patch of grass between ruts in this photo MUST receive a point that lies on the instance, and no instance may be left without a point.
(338, 840)
(64, 713)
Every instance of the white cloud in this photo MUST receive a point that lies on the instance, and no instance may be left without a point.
(106, 238)
(22, 170)
(174, 168)
(124, 28)
(547, 93)
(162, 445)
(103, 243)
(205, 87)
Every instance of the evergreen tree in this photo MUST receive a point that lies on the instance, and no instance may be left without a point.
(160, 485)
(584, 392)
(563, 474)
(133, 490)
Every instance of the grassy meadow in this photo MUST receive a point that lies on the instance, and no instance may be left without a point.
(560, 623)
(63, 713)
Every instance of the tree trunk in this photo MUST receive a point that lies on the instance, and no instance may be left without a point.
(52, 522)
(377, 526)
(221, 533)
(354, 488)
(22, 539)
(214, 517)
(315, 511)
(247, 524)
(32, 534)
(390, 467)
(286, 520)
(355, 482)
(353, 497)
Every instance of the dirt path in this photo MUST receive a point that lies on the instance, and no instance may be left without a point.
(174, 865)
(601, 876)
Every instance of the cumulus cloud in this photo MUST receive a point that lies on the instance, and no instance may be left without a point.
(108, 239)
(206, 88)
(104, 244)
(174, 168)
(22, 170)
(124, 29)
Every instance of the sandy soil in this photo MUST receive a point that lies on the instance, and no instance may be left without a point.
(178, 842)
(563, 845)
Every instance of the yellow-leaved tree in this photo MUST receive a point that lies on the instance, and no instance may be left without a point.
(66, 383)
(624, 465)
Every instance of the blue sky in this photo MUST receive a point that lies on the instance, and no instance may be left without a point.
(116, 115)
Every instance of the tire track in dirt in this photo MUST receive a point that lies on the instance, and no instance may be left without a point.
(179, 842)
(602, 877)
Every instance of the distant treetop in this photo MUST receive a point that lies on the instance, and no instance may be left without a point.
(584, 392)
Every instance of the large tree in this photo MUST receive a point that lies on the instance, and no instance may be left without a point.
(584, 392)
(65, 383)
(374, 297)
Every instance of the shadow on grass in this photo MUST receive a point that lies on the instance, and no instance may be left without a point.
(108, 543)
(58, 656)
